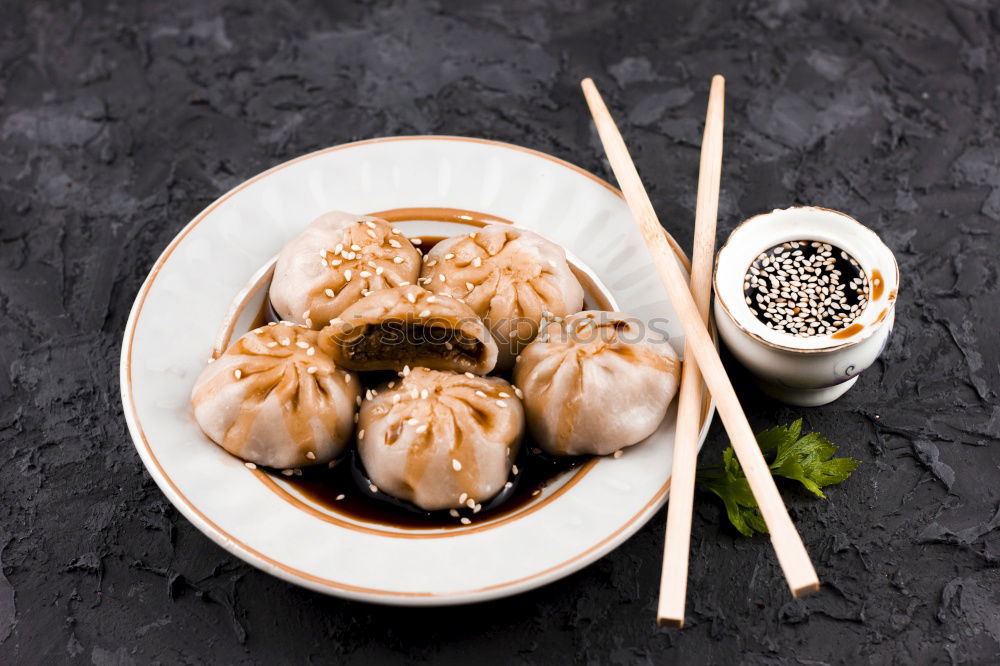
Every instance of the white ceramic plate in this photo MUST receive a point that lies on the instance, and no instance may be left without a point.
(177, 312)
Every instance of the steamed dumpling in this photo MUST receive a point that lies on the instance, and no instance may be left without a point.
(596, 382)
(276, 400)
(334, 262)
(510, 277)
(410, 326)
(441, 440)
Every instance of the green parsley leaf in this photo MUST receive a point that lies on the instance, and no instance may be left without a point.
(807, 459)
(734, 491)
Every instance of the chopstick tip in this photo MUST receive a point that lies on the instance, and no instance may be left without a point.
(805, 590)
(675, 622)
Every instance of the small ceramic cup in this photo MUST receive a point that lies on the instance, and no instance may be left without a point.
(806, 371)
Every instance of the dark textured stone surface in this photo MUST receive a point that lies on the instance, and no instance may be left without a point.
(119, 122)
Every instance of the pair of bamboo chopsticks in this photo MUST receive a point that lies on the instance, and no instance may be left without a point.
(699, 354)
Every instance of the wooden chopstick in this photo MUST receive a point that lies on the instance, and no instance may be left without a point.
(673, 578)
(788, 546)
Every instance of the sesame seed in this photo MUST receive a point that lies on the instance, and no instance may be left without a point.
(421, 429)
(271, 344)
(288, 472)
(365, 274)
(469, 286)
(508, 485)
(424, 393)
(501, 403)
(411, 297)
(471, 503)
(372, 487)
(341, 496)
(249, 465)
(311, 351)
(347, 274)
(464, 520)
(441, 277)
(477, 262)
(514, 470)
(805, 291)
(455, 465)
(462, 498)
(397, 260)
(449, 256)
(416, 241)
(237, 373)
(395, 243)
(424, 313)
(481, 394)
(453, 513)
(470, 375)
(310, 455)
(312, 370)
(618, 453)
(302, 345)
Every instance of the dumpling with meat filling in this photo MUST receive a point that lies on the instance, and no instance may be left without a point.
(337, 260)
(410, 326)
(274, 399)
(441, 440)
(596, 382)
(510, 277)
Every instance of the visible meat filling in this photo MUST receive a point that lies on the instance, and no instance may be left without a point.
(394, 340)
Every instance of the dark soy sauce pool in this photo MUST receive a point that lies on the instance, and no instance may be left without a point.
(344, 489)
